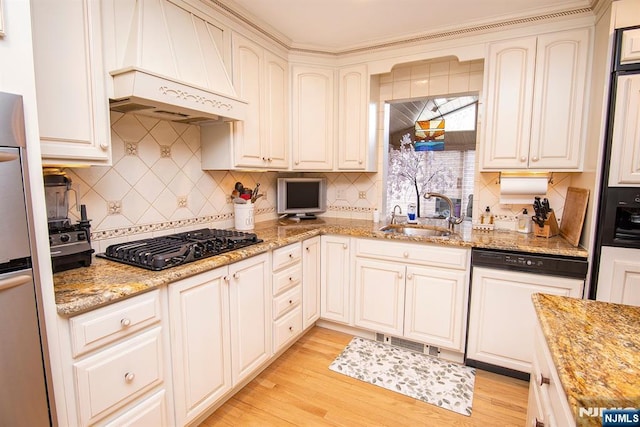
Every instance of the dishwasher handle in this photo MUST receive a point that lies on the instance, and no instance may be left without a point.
(14, 281)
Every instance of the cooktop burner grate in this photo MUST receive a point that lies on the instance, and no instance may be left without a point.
(158, 253)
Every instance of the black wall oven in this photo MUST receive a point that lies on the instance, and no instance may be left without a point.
(621, 218)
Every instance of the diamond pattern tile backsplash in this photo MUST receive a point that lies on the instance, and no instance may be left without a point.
(157, 186)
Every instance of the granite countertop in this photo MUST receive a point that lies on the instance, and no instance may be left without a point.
(595, 348)
(103, 282)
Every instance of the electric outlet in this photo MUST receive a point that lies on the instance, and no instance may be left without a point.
(363, 194)
(341, 194)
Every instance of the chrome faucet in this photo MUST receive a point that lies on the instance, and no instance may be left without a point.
(452, 220)
(393, 213)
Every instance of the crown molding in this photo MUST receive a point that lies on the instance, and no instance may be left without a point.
(401, 42)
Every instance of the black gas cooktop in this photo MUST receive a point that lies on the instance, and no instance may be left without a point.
(158, 253)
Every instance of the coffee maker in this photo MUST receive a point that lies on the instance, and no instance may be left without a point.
(70, 244)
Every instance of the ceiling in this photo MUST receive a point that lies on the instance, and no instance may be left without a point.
(340, 25)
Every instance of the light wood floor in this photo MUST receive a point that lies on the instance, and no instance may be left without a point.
(299, 389)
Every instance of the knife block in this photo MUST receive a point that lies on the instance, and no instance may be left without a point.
(549, 229)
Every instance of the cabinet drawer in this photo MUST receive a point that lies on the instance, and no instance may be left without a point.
(423, 254)
(286, 256)
(150, 412)
(114, 377)
(287, 279)
(105, 325)
(287, 328)
(287, 301)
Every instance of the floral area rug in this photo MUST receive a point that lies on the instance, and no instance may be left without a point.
(427, 378)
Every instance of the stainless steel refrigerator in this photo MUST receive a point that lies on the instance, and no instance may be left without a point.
(23, 387)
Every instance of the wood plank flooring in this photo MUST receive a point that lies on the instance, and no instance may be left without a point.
(298, 389)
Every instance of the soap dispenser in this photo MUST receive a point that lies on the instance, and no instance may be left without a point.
(524, 222)
(487, 217)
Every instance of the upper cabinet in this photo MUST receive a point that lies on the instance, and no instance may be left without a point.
(625, 149)
(535, 92)
(356, 123)
(312, 118)
(630, 52)
(73, 108)
(334, 125)
(262, 139)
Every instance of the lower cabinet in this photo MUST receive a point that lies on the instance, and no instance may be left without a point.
(619, 276)
(310, 281)
(250, 314)
(119, 364)
(399, 292)
(502, 317)
(201, 341)
(547, 404)
(287, 295)
(335, 300)
(220, 332)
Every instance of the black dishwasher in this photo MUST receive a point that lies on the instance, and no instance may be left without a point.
(501, 317)
(542, 264)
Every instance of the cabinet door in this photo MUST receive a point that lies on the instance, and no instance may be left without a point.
(502, 318)
(630, 51)
(379, 295)
(619, 276)
(250, 313)
(247, 80)
(625, 149)
(558, 107)
(312, 116)
(199, 316)
(352, 114)
(436, 306)
(73, 114)
(509, 87)
(276, 112)
(335, 290)
(310, 281)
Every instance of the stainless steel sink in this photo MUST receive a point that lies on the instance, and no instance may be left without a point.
(416, 230)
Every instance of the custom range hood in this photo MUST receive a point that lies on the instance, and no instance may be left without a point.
(167, 64)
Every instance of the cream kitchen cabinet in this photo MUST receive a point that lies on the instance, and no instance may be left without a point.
(625, 150)
(356, 121)
(220, 332)
(402, 289)
(619, 276)
(335, 293)
(201, 341)
(310, 281)
(630, 52)
(262, 139)
(333, 123)
(250, 314)
(547, 405)
(73, 107)
(118, 363)
(535, 109)
(501, 315)
(312, 115)
(287, 295)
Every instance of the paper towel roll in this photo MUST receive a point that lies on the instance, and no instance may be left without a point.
(522, 190)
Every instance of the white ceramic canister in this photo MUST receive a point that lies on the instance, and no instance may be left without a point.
(243, 216)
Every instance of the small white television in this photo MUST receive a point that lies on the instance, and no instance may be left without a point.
(301, 197)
